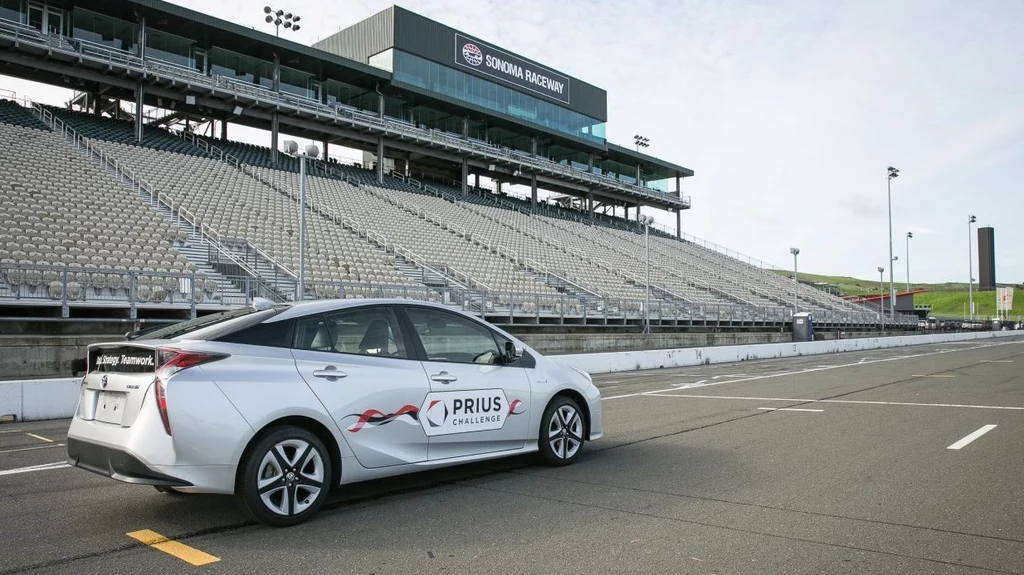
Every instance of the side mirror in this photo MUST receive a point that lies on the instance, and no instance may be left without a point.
(513, 351)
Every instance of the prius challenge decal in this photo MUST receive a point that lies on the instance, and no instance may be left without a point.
(436, 414)
(375, 418)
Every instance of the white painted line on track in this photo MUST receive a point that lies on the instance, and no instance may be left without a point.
(51, 445)
(943, 375)
(43, 467)
(790, 409)
(11, 431)
(997, 361)
(841, 401)
(40, 437)
(967, 440)
(812, 370)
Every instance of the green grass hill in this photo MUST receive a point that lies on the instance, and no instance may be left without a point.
(946, 299)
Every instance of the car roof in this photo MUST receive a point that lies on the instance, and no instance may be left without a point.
(326, 305)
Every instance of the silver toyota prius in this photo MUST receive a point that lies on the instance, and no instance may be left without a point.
(277, 404)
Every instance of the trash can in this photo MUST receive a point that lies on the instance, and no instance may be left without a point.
(803, 327)
(997, 324)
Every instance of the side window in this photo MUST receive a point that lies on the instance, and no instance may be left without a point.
(449, 337)
(273, 334)
(363, 331)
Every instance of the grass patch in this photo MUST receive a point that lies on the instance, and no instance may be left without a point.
(953, 304)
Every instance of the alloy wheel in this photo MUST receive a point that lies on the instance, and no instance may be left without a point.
(290, 477)
(565, 432)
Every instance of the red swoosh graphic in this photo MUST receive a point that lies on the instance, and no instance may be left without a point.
(379, 417)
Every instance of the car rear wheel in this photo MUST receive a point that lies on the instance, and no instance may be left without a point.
(285, 477)
(561, 432)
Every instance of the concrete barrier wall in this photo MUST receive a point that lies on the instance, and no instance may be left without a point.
(39, 398)
(27, 400)
(655, 359)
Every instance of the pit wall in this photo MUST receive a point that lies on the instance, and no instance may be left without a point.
(656, 359)
(36, 399)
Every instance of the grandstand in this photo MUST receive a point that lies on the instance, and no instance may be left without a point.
(97, 216)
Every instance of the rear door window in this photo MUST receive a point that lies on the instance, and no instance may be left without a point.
(364, 331)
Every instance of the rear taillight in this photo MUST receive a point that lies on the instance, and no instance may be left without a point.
(161, 404)
(171, 361)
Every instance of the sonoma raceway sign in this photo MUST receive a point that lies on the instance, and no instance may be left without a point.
(499, 64)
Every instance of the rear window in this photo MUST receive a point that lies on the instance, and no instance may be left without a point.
(211, 326)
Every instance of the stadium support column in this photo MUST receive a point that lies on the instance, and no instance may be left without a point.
(224, 129)
(533, 191)
(275, 128)
(275, 123)
(380, 159)
(590, 198)
(465, 176)
(325, 142)
(476, 181)
(679, 211)
(140, 94)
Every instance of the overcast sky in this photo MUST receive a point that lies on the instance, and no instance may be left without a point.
(788, 111)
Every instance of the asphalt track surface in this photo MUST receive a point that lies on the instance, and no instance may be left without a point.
(702, 470)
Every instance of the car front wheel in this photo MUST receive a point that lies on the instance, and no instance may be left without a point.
(561, 432)
(285, 478)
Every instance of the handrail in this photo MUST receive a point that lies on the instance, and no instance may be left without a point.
(95, 152)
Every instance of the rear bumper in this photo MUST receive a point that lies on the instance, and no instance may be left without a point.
(117, 464)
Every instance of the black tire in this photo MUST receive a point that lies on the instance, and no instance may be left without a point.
(562, 432)
(296, 472)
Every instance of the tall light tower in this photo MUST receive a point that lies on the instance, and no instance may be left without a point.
(796, 282)
(970, 266)
(647, 221)
(309, 152)
(893, 173)
(281, 18)
(641, 142)
(909, 236)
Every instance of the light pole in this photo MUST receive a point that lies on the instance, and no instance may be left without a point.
(292, 149)
(281, 18)
(641, 142)
(881, 296)
(909, 235)
(647, 221)
(796, 282)
(970, 267)
(893, 173)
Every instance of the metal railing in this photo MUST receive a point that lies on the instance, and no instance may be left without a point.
(219, 253)
(76, 285)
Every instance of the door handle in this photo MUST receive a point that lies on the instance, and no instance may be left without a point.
(443, 377)
(330, 373)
